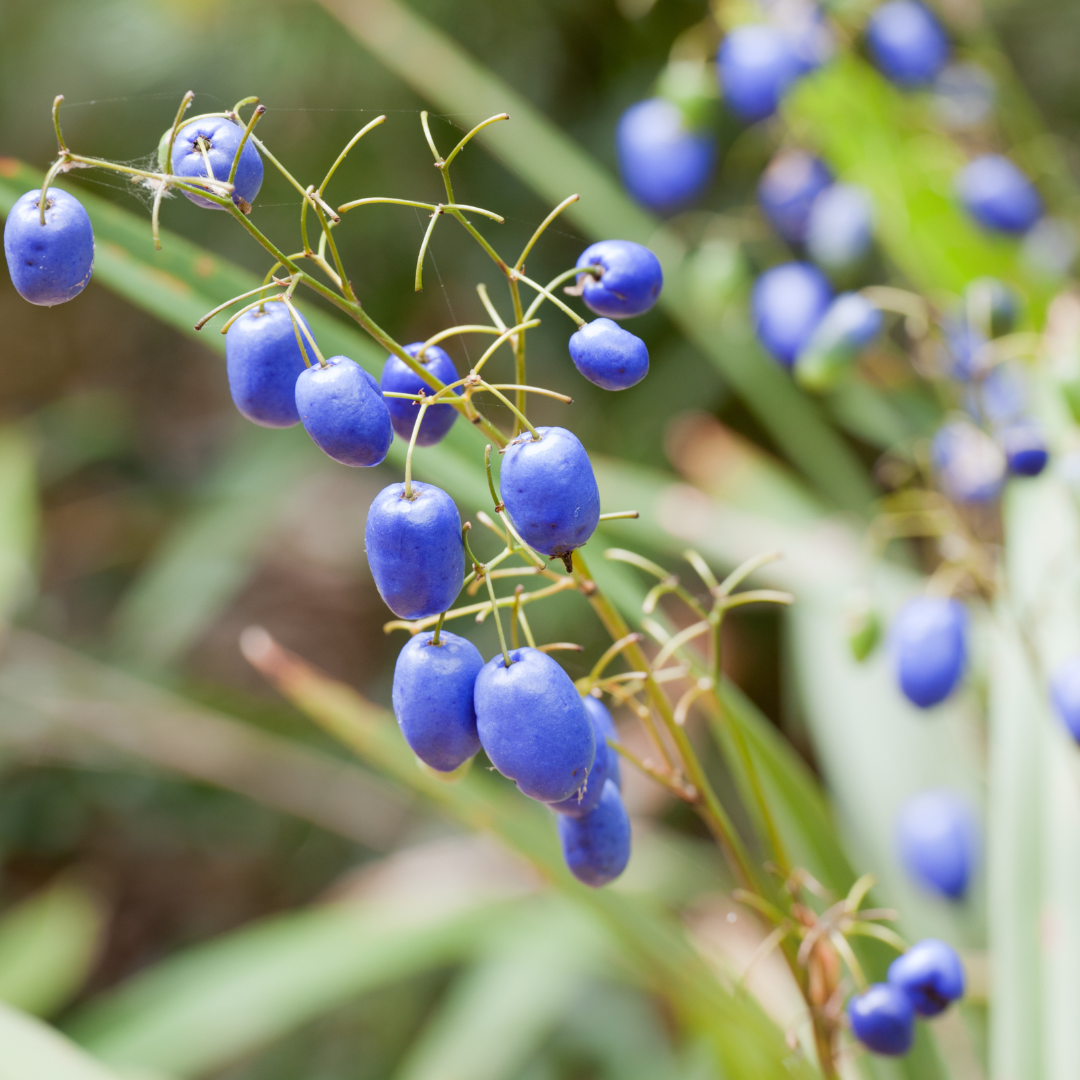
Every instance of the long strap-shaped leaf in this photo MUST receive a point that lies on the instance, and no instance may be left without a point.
(31, 1050)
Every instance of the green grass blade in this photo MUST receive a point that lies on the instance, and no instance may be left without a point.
(32, 1050)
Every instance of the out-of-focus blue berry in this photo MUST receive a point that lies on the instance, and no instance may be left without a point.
(51, 263)
(840, 228)
(787, 190)
(883, 1020)
(937, 838)
(596, 847)
(756, 64)
(969, 465)
(931, 975)
(964, 96)
(787, 304)
(221, 138)
(964, 344)
(663, 163)
(1065, 694)
(806, 28)
(849, 325)
(629, 282)
(608, 355)
(398, 377)
(999, 398)
(906, 42)
(929, 645)
(998, 195)
(1025, 448)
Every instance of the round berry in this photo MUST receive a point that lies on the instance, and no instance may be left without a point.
(628, 282)
(263, 361)
(1025, 449)
(596, 847)
(970, 466)
(998, 195)
(1000, 397)
(937, 839)
(883, 1020)
(343, 410)
(219, 137)
(1065, 694)
(849, 325)
(663, 163)
(549, 490)
(755, 66)
(787, 190)
(606, 729)
(930, 974)
(398, 377)
(965, 346)
(906, 42)
(533, 725)
(840, 227)
(608, 355)
(588, 795)
(929, 643)
(51, 263)
(787, 303)
(414, 550)
(433, 698)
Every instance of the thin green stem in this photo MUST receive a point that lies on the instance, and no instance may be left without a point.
(229, 303)
(409, 453)
(555, 281)
(344, 284)
(61, 147)
(344, 153)
(508, 333)
(479, 127)
(442, 617)
(569, 311)
(519, 346)
(418, 277)
(489, 307)
(298, 322)
(512, 407)
(256, 116)
(568, 201)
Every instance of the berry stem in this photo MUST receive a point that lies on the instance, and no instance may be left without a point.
(409, 453)
(555, 281)
(513, 408)
(442, 617)
(61, 147)
(256, 116)
(344, 153)
(489, 307)
(229, 303)
(418, 277)
(568, 201)
(550, 296)
(505, 335)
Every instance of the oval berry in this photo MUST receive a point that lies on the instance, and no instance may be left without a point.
(51, 263)
(938, 841)
(596, 847)
(533, 725)
(605, 726)
(849, 325)
(970, 466)
(840, 227)
(930, 974)
(398, 377)
(755, 66)
(629, 279)
(928, 638)
(433, 698)
(549, 490)
(998, 195)
(343, 410)
(787, 304)
(1026, 452)
(663, 164)
(906, 42)
(787, 190)
(883, 1020)
(220, 137)
(414, 550)
(608, 355)
(588, 795)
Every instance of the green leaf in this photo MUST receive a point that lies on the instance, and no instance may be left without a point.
(18, 517)
(32, 1050)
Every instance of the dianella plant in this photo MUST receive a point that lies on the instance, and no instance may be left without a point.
(895, 307)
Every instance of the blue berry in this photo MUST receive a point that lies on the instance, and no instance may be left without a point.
(938, 841)
(398, 377)
(629, 282)
(663, 163)
(344, 412)
(931, 975)
(755, 66)
(1065, 694)
(1000, 397)
(263, 362)
(605, 726)
(929, 642)
(533, 725)
(849, 325)
(1025, 449)
(787, 303)
(883, 1020)
(906, 42)
(964, 344)
(221, 138)
(414, 550)
(585, 798)
(970, 466)
(596, 847)
(433, 698)
(608, 355)
(998, 195)
(51, 263)
(787, 190)
(840, 228)
(808, 32)
(550, 491)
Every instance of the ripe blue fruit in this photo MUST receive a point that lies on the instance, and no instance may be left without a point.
(755, 66)
(930, 974)
(965, 344)
(663, 163)
(263, 362)
(398, 377)
(970, 466)
(585, 798)
(937, 839)
(840, 227)
(605, 726)
(629, 282)
(550, 492)
(596, 847)
(849, 325)
(344, 412)
(51, 263)
(1065, 694)
(787, 190)
(929, 643)
(608, 355)
(906, 42)
(220, 137)
(533, 725)
(414, 550)
(883, 1020)
(433, 698)
(998, 195)
(787, 303)
(1025, 449)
